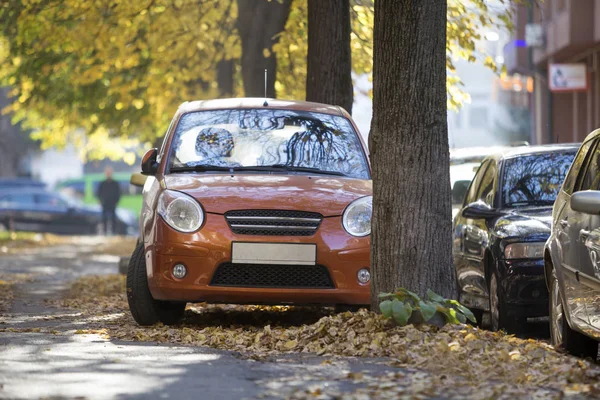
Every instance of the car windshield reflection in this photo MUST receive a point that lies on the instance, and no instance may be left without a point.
(288, 139)
(534, 180)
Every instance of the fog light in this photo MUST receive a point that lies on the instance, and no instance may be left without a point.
(363, 275)
(179, 271)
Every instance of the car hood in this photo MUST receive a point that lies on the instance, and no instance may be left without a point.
(525, 222)
(328, 195)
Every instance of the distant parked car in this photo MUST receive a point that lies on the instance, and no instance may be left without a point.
(500, 232)
(572, 255)
(38, 210)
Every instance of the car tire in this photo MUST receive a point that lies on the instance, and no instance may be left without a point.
(561, 334)
(499, 318)
(144, 308)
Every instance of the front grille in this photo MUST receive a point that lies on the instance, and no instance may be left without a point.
(272, 276)
(273, 222)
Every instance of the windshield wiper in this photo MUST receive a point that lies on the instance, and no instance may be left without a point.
(283, 167)
(200, 168)
(530, 203)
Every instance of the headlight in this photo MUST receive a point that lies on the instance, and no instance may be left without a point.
(180, 211)
(357, 217)
(524, 250)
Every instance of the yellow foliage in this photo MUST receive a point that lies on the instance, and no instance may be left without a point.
(112, 71)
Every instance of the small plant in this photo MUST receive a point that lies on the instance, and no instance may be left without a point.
(407, 307)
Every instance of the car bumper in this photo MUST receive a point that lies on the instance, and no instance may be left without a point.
(204, 251)
(524, 286)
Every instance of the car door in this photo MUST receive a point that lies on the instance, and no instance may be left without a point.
(573, 231)
(471, 238)
(60, 217)
(588, 268)
(20, 212)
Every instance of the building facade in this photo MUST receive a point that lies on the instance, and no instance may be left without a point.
(550, 36)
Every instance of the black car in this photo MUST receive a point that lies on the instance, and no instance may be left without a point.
(572, 255)
(37, 210)
(500, 232)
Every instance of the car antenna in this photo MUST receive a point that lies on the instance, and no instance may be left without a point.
(265, 104)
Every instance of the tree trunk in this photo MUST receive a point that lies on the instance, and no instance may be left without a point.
(14, 143)
(329, 73)
(225, 78)
(411, 239)
(259, 22)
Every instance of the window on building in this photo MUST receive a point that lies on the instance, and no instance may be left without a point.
(478, 117)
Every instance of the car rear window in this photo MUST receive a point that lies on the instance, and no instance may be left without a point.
(264, 137)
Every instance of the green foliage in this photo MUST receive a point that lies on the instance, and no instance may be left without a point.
(405, 307)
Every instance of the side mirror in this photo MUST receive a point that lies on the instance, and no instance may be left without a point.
(480, 210)
(459, 189)
(138, 179)
(586, 201)
(149, 164)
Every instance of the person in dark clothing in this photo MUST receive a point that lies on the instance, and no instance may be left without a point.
(109, 193)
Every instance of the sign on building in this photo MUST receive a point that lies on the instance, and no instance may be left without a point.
(534, 35)
(568, 77)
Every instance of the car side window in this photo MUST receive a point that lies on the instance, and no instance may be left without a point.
(590, 174)
(573, 177)
(486, 191)
(49, 201)
(20, 200)
(474, 188)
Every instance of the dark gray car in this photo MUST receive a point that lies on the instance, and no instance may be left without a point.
(572, 255)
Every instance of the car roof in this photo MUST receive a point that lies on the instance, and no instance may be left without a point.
(539, 149)
(21, 182)
(259, 102)
(25, 190)
(530, 150)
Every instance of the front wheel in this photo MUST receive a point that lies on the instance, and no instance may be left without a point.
(144, 308)
(561, 334)
(499, 318)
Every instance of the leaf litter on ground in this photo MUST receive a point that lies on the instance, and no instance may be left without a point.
(460, 360)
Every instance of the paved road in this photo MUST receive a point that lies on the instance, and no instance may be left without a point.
(57, 363)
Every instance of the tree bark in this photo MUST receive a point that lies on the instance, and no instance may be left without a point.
(225, 78)
(329, 73)
(259, 22)
(411, 236)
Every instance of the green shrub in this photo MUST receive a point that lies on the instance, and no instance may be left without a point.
(407, 307)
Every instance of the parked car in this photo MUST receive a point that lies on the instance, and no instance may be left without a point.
(39, 210)
(572, 262)
(500, 233)
(86, 188)
(253, 203)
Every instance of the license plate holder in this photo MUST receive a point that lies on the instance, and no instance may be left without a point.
(273, 253)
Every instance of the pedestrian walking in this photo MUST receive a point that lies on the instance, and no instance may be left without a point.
(109, 193)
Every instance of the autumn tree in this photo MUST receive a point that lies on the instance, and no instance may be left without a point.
(329, 64)
(104, 75)
(411, 234)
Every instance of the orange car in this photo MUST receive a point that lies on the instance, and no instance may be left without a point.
(253, 201)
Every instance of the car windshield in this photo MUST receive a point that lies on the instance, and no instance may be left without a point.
(534, 179)
(461, 176)
(287, 139)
